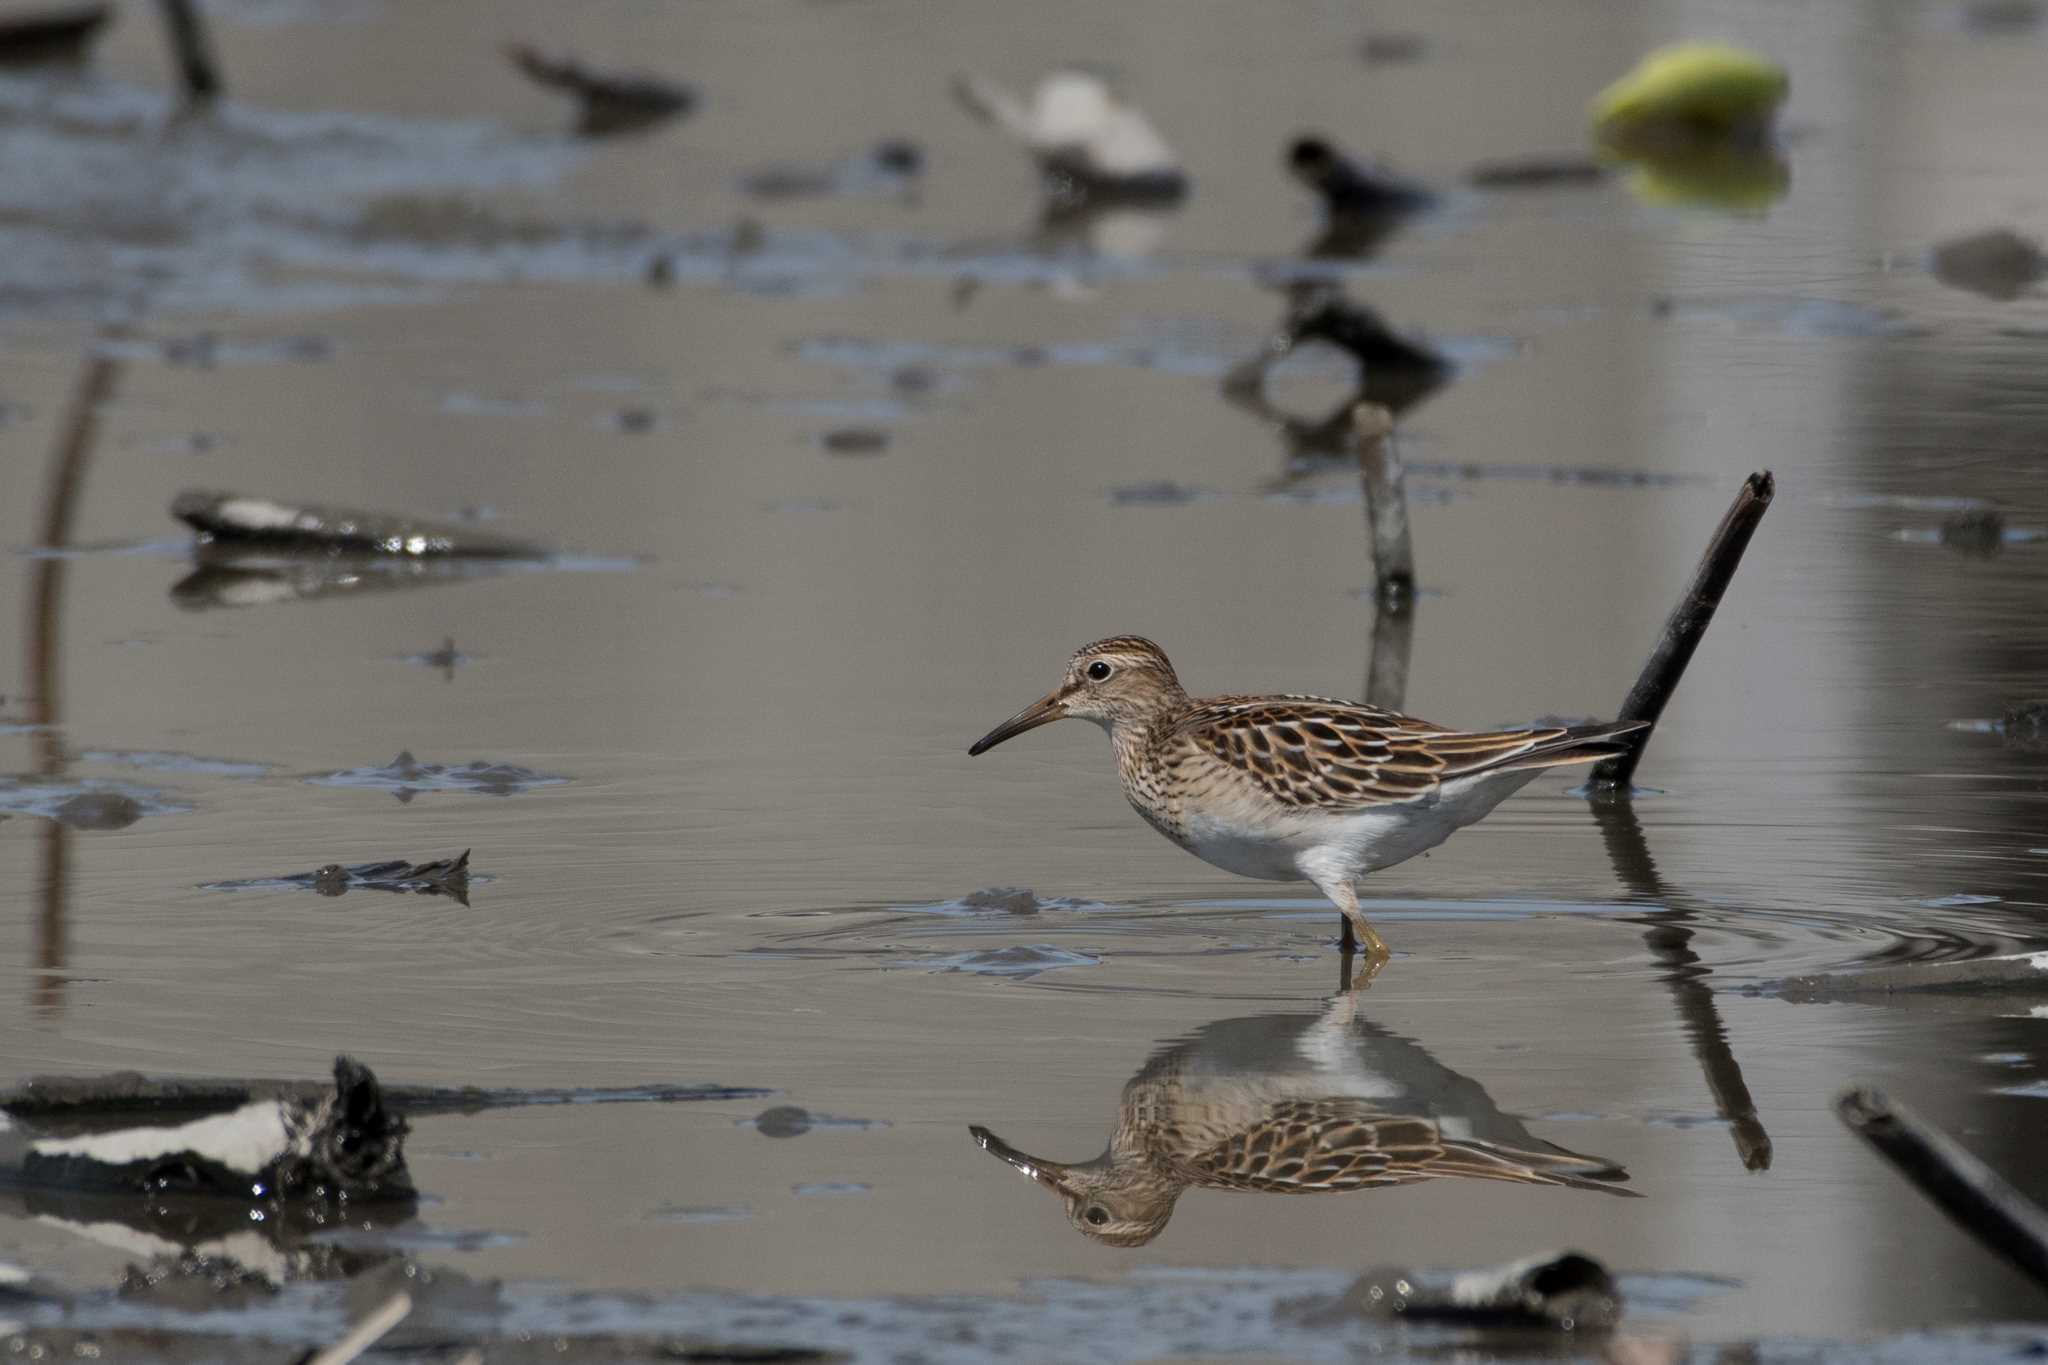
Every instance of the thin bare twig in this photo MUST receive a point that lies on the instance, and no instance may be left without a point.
(1685, 627)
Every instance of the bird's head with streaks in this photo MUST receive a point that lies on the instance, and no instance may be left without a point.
(1122, 681)
(1118, 1202)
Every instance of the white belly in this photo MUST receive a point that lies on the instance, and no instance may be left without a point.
(1267, 857)
(1357, 843)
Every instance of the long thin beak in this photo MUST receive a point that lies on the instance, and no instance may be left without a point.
(1044, 711)
(1046, 1173)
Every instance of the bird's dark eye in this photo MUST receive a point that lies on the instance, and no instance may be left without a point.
(1096, 1215)
(1098, 670)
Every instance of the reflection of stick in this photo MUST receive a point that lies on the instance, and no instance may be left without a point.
(75, 436)
(365, 1334)
(1666, 935)
(196, 69)
(1687, 624)
(1968, 1191)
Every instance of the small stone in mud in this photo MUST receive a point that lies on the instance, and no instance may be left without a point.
(99, 810)
(856, 441)
(783, 1121)
(1979, 532)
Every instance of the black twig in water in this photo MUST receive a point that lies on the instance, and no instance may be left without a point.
(1687, 624)
(1976, 1197)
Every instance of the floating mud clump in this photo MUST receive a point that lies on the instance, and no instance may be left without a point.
(442, 877)
(91, 804)
(227, 519)
(342, 1144)
(793, 1120)
(1010, 900)
(1979, 532)
(99, 810)
(406, 777)
(783, 1121)
(1999, 264)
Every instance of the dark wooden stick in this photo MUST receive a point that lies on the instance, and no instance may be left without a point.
(197, 71)
(1393, 643)
(1973, 1195)
(1687, 624)
(1386, 506)
(1382, 479)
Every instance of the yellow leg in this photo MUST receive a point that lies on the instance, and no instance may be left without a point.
(1356, 931)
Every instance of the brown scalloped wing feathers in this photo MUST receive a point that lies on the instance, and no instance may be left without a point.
(1315, 751)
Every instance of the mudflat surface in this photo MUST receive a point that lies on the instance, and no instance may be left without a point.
(711, 761)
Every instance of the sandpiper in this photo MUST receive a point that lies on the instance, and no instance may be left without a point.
(1296, 788)
(1293, 1104)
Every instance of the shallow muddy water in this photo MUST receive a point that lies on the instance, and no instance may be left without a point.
(711, 759)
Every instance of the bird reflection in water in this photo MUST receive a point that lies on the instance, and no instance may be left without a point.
(1293, 1104)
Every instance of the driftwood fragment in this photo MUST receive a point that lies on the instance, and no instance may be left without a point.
(231, 521)
(1973, 1195)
